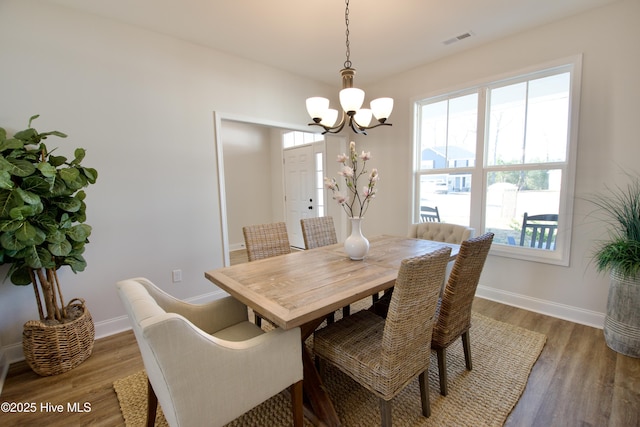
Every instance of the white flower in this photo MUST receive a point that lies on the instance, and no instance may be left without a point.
(357, 202)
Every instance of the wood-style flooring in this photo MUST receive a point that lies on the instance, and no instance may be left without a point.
(577, 381)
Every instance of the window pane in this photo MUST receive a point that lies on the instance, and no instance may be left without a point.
(448, 133)
(547, 119)
(450, 194)
(506, 125)
(511, 194)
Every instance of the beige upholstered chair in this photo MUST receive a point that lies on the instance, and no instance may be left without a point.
(454, 309)
(207, 364)
(318, 232)
(385, 355)
(265, 241)
(440, 232)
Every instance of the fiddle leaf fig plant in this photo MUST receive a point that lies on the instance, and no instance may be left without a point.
(42, 215)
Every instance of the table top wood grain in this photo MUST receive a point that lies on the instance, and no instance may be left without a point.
(291, 290)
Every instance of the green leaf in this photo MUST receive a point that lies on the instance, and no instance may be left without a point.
(57, 236)
(21, 277)
(57, 160)
(54, 133)
(79, 232)
(10, 241)
(32, 118)
(28, 135)
(28, 197)
(5, 180)
(77, 263)
(8, 201)
(91, 174)
(21, 167)
(26, 233)
(69, 204)
(10, 144)
(3, 135)
(79, 156)
(10, 226)
(60, 249)
(69, 174)
(47, 169)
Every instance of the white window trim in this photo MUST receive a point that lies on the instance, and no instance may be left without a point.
(561, 254)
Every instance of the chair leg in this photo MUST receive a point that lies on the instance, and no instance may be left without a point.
(466, 345)
(152, 405)
(296, 403)
(346, 311)
(385, 412)
(258, 319)
(424, 393)
(442, 369)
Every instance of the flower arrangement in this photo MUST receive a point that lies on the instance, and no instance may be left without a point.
(354, 201)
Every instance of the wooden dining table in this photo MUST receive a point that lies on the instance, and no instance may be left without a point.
(302, 288)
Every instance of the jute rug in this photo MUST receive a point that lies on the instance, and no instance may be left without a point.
(503, 356)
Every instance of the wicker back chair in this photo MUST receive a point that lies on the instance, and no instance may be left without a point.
(385, 355)
(454, 308)
(318, 232)
(265, 241)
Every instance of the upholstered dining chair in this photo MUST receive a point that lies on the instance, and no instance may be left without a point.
(265, 241)
(385, 355)
(440, 232)
(207, 364)
(319, 231)
(454, 308)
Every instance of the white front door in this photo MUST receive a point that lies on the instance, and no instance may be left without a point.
(299, 190)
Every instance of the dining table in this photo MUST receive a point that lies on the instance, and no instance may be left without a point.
(302, 288)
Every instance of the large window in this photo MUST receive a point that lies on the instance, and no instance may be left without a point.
(500, 157)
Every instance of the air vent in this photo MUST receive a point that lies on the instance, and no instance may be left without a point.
(458, 38)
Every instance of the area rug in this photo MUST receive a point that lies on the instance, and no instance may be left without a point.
(503, 356)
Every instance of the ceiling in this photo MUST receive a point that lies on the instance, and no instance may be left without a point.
(307, 37)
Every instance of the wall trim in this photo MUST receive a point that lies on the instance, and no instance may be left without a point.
(548, 308)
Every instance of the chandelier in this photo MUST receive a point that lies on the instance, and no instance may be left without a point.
(351, 100)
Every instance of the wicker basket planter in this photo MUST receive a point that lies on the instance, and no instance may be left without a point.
(54, 349)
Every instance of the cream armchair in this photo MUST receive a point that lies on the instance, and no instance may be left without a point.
(207, 364)
(440, 232)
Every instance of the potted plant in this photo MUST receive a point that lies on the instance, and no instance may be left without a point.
(42, 215)
(620, 256)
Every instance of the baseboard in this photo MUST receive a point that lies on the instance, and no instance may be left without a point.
(13, 353)
(548, 308)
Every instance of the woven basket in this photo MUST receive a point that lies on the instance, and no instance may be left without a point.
(54, 349)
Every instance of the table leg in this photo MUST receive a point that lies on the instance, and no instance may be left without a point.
(314, 390)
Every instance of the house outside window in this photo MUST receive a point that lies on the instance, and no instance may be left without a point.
(491, 155)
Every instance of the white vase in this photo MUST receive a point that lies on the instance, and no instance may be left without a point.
(356, 245)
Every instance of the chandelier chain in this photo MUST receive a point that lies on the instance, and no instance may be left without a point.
(347, 63)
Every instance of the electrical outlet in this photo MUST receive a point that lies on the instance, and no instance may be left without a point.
(176, 276)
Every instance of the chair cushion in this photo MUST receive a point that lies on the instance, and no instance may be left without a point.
(239, 332)
(440, 232)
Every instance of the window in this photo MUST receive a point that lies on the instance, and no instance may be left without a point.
(295, 138)
(491, 155)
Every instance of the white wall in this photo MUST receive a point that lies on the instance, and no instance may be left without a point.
(142, 105)
(608, 142)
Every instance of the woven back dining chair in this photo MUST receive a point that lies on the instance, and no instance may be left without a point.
(384, 355)
(454, 308)
(265, 241)
(318, 232)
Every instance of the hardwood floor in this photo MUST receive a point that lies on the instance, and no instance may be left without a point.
(577, 381)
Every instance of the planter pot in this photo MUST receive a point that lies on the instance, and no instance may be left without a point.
(54, 349)
(356, 245)
(622, 322)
